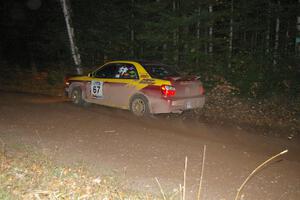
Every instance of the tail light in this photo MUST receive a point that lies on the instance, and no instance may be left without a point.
(168, 90)
(201, 90)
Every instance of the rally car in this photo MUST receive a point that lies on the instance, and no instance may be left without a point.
(142, 87)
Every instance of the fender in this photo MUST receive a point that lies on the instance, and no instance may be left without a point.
(141, 94)
(81, 85)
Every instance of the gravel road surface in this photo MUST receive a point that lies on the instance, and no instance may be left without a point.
(112, 141)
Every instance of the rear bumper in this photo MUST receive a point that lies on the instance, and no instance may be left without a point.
(176, 105)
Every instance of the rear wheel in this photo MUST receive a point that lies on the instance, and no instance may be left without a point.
(76, 96)
(139, 106)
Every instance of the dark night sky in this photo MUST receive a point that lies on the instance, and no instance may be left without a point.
(33, 33)
(23, 23)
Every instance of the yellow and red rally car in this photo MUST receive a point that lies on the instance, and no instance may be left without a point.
(139, 86)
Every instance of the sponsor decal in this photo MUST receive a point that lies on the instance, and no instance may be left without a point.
(97, 89)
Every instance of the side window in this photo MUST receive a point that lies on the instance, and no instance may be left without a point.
(126, 71)
(107, 71)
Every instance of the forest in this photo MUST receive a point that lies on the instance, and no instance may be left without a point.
(252, 45)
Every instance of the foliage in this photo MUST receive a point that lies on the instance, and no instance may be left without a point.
(20, 80)
(173, 31)
(26, 174)
(55, 77)
(273, 116)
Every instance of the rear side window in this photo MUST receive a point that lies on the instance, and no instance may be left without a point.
(126, 71)
(160, 71)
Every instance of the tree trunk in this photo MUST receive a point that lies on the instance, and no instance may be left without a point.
(132, 32)
(287, 39)
(175, 38)
(255, 41)
(230, 36)
(297, 47)
(165, 49)
(276, 45)
(74, 50)
(244, 38)
(268, 29)
(210, 32)
(198, 37)
(252, 45)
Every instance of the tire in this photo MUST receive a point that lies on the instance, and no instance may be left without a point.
(139, 106)
(76, 96)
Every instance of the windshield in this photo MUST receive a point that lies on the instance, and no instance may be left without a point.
(160, 71)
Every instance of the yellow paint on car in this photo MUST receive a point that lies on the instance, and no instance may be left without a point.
(137, 83)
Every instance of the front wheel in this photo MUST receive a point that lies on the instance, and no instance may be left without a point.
(76, 96)
(139, 106)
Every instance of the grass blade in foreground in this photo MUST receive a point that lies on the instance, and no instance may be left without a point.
(255, 170)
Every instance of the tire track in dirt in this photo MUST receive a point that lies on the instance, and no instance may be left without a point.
(137, 150)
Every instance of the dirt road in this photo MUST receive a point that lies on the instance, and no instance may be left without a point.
(138, 150)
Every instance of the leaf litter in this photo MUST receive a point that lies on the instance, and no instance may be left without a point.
(30, 175)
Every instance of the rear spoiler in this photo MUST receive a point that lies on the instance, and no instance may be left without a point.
(186, 78)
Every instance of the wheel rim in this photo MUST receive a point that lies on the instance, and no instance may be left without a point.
(75, 96)
(138, 107)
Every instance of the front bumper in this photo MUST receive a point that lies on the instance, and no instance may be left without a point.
(66, 92)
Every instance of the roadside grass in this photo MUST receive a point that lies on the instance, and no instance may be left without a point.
(26, 174)
(5, 195)
(238, 196)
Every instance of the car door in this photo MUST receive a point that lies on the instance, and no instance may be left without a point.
(98, 90)
(123, 85)
(113, 84)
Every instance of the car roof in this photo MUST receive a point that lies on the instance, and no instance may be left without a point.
(142, 62)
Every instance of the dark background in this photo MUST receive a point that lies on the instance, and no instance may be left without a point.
(33, 37)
